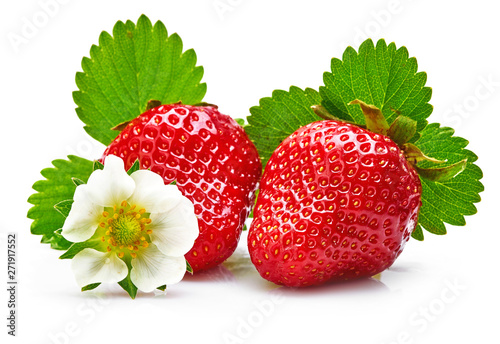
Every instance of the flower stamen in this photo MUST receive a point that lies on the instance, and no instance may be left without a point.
(124, 228)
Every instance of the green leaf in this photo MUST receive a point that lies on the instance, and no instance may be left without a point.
(162, 288)
(135, 167)
(79, 246)
(91, 286)
(97, 165)
(189, 269)
(418, 233)
(382, 76)
(279, 116)
(127, 283)
(128, 286)
(64, 207)
(57, 186)
(451, 200)
(77, 181)
(240, 121)
(135, 64)
(56, 241)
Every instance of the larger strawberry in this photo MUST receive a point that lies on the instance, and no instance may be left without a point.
(336, 202)
(213, 163)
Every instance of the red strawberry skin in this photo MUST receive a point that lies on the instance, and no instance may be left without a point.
(336, 202)
(211, 159)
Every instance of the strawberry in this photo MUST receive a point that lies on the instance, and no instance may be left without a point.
(213, 163)
(336, 202)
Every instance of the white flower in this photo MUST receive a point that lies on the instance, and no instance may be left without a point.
(134, 219)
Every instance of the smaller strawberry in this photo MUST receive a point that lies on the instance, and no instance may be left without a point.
(212, 161)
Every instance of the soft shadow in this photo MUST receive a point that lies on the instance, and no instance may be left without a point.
(218, 273)
(240, 265)
(361, 285)
(405, 268)
(104, 292)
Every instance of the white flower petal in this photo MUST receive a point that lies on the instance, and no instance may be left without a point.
(175, 231)
(112, 185)
(152, 194)
(152, 269)
(91, 266)
(83, 218)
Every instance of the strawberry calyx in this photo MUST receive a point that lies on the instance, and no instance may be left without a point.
(121, 126)
(401, 131)
(414, 155)
(375, 120)
(322, 112)
(151, 105)
(205, 104)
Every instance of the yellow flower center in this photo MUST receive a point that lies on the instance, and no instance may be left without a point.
(126, 229)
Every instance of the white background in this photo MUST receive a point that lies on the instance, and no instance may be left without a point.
(444, 289)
